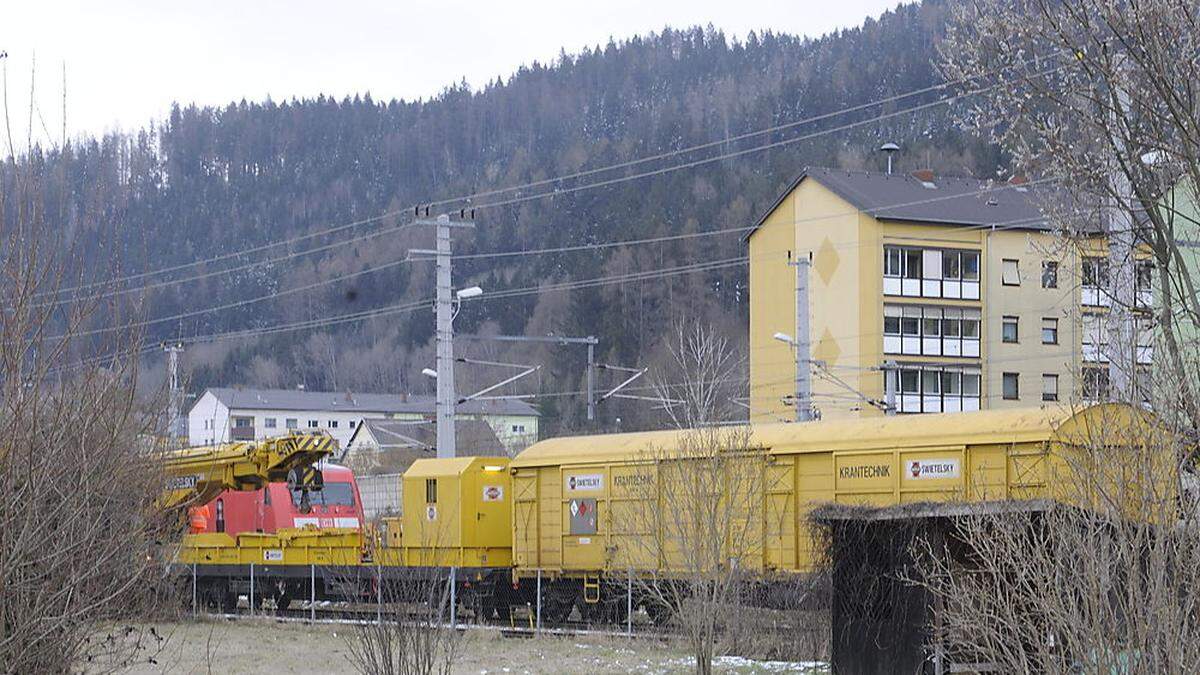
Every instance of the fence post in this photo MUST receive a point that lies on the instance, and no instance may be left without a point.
(453, 599)
(193, 590)
(539, 601)
(251, 598)
(379, 593)
(629, 603)
(312, 592)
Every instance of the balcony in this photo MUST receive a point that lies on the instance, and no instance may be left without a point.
(931, 273)
(931, 331)
(241, 433)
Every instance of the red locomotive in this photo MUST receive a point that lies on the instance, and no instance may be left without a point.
(336, 504)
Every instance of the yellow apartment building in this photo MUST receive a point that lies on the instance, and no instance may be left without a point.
(959, 282)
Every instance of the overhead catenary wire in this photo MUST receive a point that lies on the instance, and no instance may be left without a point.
(542, 182)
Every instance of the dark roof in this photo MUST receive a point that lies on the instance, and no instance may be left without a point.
(947, 200)
(298, 399)
(472, 437)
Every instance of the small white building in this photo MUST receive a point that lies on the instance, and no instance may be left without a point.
(224, 414)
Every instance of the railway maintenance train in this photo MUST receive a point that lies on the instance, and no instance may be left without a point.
(277, 505)
(555, 517)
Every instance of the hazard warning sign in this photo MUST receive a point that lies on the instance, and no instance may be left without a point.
(583, 516)
(493, 493)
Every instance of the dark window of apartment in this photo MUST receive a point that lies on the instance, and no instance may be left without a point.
(243, 422)
(892, 261)
(1009, 329)
(313, 424)
(1095, 384)
(1012, 386)
(430, 490)
(353, 423)
(1095, 272)
(911, 325)
(951, 265)
(333, 424)
(1049, 331)
(951, 383)
(912, 263)
(910, 381)
(292, 423)
(1050, 274)
(931, 326)
(1049, 387)
(970, 265)
(269, 422)
(891, 325)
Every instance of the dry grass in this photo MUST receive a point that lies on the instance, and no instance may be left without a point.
(265, 646)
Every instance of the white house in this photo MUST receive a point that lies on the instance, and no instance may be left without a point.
(224, 414)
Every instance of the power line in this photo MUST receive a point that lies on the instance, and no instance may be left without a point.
(611, 167)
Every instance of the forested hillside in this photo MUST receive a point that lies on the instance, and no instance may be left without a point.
(214, 181)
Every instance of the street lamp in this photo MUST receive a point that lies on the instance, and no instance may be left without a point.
(784, 337)
(464, 294)
(429, 372)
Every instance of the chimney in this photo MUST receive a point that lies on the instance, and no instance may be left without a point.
(889, 149)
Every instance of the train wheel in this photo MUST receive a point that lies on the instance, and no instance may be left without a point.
(229, 601)
(283, 600)
(658, 612)
(556, 611)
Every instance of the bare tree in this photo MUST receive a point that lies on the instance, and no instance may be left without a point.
(1104, 579)
(700, 378)
(1101, 97)
(690, 524)
(414, 633)
(80, 532)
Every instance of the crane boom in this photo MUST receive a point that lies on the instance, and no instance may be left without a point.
(198, 475)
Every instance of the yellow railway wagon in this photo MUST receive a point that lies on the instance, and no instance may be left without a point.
(457, 512)
(572, 496)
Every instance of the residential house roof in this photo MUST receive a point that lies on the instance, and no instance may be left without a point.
(410, 440)
(247, 398)
(928, 198)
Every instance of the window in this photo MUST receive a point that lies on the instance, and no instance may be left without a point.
(1050, 274)
(892, 262)
(313, 424)
(1009, 329)
(951, 327)
(353, 423)
(910, 381)
(970, 327)
(518, 428)
(912, 264)
(292, 423)
(430, 490)
(970, 385)
(1095, 384)
(1095, 273)
(1049, 331)
(1143, 275)
(243, 422)
(911, 325)
(333, 424)
(931, 326)
(952, 382)
(891, 323)
(1049, 387)
(1012, 273)
(951, 265)
(1012, 386)
(332, 494)
(269, 422)
(970, 265)
(936, 389)
(207, 424)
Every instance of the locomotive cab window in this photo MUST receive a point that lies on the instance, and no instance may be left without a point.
(430, 490)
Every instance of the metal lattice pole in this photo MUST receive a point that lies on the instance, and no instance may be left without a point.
(312, 592)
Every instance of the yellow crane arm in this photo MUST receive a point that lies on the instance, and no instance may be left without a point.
(198, 475)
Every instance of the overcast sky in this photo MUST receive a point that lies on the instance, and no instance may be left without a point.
(127, 60)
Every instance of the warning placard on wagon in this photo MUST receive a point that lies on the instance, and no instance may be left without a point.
(493, 493)
(930, 469)
(585, 482)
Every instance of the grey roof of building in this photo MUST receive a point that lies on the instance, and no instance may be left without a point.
(472, 437)
(247, 398)
(946, 200)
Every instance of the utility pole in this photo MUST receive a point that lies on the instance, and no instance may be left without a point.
(174, 397)
(803, 341)
(1122, 357)
(444, 310)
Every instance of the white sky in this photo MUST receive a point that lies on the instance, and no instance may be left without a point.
(127, 60)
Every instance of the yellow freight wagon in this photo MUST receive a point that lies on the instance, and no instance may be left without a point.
(457, 513)
(573, 496)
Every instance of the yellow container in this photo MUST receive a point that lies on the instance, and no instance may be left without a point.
(990, 456)
(456, 512)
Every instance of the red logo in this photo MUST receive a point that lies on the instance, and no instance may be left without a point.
(916, 469)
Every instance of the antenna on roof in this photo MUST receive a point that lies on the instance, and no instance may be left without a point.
(889, 149)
